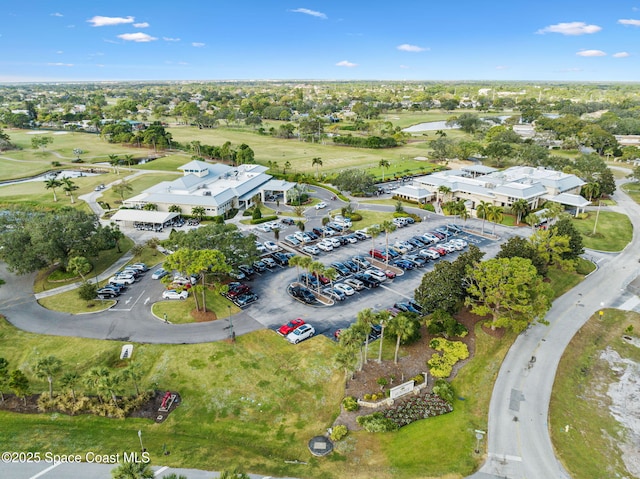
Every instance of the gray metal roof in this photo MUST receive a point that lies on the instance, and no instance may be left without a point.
(571, 200)
(143, 216)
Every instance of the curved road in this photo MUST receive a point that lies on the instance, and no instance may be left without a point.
(519, 445)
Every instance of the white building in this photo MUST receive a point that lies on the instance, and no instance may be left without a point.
(214, 186)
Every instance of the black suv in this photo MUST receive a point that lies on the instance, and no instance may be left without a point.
(303, 293)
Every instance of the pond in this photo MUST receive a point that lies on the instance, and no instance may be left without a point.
(50, 174)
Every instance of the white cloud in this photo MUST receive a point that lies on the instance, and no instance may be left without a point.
(183, 63)
(141, 25)
(138, 37)
(57, 14)
(629, 21)
(570, 28)
(313, 13)
(405, 67)
(570, 70)
(405, 47)
(197, 44)
(107, 40)
(59, 52)
(345, 63)
(621, 55)
(591, 53)
(60, 64)
(99, 21)
(169, 39)
(502, 67)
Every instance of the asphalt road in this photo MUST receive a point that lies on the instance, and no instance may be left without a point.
(519, 445)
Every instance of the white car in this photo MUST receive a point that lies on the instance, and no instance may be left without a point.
(301, 333)
(356, 284)
(310, 249)
(173, 294)
(260, 247)
(321, 205)
(345, 288)
(264, 228)
(122, 279)
(335, 242)
(378, 274)
(271, 246)
(429, 253)
(159, 273)
(325, 246)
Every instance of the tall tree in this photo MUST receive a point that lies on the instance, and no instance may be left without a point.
(384, 164)
(47, 368)
(388, 227)
(495, 215)
(52, 184)
(565, 227)
(122, 188)
(520, 208)
(114, 160)
(366, 318)
(69, 187)
(198, 212)
(317, 162)
(482, 210)
(79, 265)
(508, 289)
(133, 373)
(403, 327)
(70, 380)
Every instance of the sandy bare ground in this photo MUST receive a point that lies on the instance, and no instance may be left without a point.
(625, 404)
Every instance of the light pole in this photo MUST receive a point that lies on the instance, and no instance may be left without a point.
(232, 334)
(381, 339)
(595, 224)
(140, 437)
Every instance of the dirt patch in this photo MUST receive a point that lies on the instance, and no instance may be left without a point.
(412, 363)
(203, 316)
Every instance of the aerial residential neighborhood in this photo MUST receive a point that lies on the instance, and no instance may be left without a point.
(245, 254)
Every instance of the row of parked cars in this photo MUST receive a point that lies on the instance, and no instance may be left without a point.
(120, 281)
(296, 330)
(240, 294)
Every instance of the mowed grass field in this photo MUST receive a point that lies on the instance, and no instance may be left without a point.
(584, 433)
(613, 230)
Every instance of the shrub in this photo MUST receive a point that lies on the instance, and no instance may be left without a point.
(443, 322)
(339, 432)
(416, 408)
(445, 390)
(382, 382)
(429, 207)
(264, 219)
(257, 214)
(367, 397)
(350, 403)
(376, 422)
(418, 378)
(87, 291)
(355, 216)
(441, 365)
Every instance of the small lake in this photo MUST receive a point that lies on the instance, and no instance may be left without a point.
(51, 174)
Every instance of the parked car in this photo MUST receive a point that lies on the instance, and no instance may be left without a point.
(246, 299)
(311, 249)
(431, 238)
(113, 288)
(324, 246)
(271, 246)
(353, 267)
(455, 228)
(404, 264)
(341, 269)
(417, 260)
(269, 262)
(301, 333)
(238, 275)
(107, 294)
(376, 253)
(281, 258)
(321, 205)
(304, 294)
(438, 249)
(173, 294)
(362, 262)
(292, 240)
(377, 273)
(290, 326)
(121, 280)
(368, 280)
(138, 266)
(159, 273)
(345, 289)
(354, 283)
(259, 266)
(389, 274)
(237, 289)
(334, 294)
(429, 253)
(406, 307)
(287, 221)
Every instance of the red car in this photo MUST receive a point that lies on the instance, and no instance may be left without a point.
(322, 279)
(290, 326)
(440, 250)
(377, 254)
(237, 289)
(389, 274)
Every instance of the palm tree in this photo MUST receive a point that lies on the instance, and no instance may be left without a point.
(276, 234)
(388, 227)
(495, 215)
(384, 164)
(366, 318)
(114, 160)
(175, 209)
(317, 162)
(47, 368)
(132, 372)
(133, 470)
(591, 190)
(532, 220)
(373, 231)
(70, 380)
(198, 212)
(93, 379)
(351, 340)
(403, 327)
(331, 274)
(317, 269)
(444, 191)
(128, 159)
(298, 210)
(305, 263)
(481, 211)
(150, 207)
(79, 265)
(297, 262)
(520, 208)
(52, 184)
(300, 225)
(287, 166)
(69, 187)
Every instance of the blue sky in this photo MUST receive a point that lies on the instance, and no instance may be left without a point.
(64, 40)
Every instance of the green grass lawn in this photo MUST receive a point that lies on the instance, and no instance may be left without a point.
(589, 448)
(613, 231)
(139, 184)
(633, 190)
(242, 404)
(179, 312)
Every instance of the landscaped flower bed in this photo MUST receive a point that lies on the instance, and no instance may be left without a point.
(416, 408)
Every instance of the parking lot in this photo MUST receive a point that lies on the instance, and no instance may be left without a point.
(277, 307)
